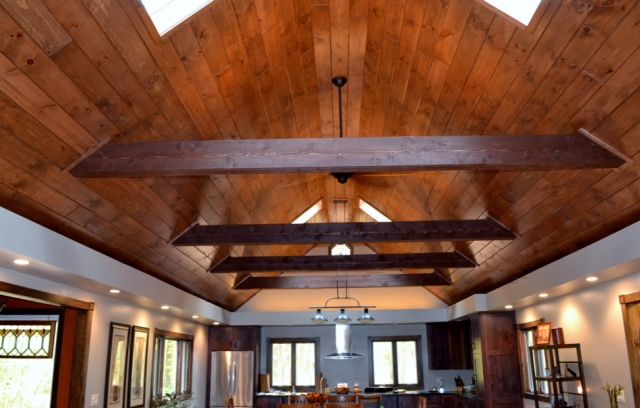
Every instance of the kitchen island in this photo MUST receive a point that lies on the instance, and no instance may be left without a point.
(407, 399)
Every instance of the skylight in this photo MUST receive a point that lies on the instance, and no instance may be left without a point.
(167, 14)
(308, 214)
(373, 212)
(521, 10)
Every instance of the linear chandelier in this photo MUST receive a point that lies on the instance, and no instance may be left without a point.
(342, 318)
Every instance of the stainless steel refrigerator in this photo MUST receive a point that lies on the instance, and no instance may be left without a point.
(232, 378)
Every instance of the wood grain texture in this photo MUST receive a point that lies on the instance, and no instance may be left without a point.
(347, 232)
(338, 155)
(323, 282)
(311, 263)
(78, 73)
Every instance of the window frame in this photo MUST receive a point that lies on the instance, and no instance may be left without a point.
(293, 341)
(158, 363)
(394, 339)
(523, 329)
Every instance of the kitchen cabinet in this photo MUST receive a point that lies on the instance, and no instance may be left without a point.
(234, 338)
(269, 402)
(451, 401)
(449, 346)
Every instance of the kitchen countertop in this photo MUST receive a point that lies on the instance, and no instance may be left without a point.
(408, 392)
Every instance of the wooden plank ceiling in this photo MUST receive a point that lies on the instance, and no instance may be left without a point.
(76, 74)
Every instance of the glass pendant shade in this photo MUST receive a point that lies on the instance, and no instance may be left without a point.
(318, 318)
(342, 318)
(366, 317)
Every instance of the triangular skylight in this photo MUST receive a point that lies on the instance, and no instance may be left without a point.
(520, 10)
(167, 14)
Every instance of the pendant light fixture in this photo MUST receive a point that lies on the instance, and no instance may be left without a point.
(318, 318)
(366, 317)
(342, 318)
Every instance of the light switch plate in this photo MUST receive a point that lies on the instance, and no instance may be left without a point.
(94, 400)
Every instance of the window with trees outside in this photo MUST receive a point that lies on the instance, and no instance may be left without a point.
(173, 359)
(293, 363)
(396, 361)
(526, 339)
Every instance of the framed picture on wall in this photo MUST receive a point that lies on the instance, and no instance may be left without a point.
(117, 357)
(137, 373)
(543, 334)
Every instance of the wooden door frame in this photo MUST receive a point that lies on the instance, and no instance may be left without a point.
(625, 302)
(82, 335)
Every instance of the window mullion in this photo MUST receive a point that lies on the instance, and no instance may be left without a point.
(293, 364)
(394, 354)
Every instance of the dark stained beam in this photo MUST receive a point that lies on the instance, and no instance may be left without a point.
(359, 281)
(347, 232)
(348, 155)
(343, 263)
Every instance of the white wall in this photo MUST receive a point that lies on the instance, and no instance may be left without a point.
(593, 318)
(108, 309)
(357, 371)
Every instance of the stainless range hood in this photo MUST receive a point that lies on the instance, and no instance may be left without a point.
(343, 344)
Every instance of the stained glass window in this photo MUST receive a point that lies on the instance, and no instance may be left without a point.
(26, 339)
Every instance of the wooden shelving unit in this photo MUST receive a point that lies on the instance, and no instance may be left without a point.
(563, 385)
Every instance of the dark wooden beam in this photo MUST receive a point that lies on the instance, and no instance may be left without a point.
(358, 281)
(347, 232)
(343, 263)
(348, 155)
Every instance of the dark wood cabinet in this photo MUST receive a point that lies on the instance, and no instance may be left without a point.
(390, 401)
(234, 338)
(451, 401)
(449, 346)
(269, 402)
(496, 360)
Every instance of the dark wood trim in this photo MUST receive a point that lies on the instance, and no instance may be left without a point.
(172, 335)
(293, 340)
(344, 263)
(347, 232)
(530, 325)
(47, 297)
(356, 281)
(346, 155)
(81, 358)
(630, 298)
(626, 302)
(394, 340)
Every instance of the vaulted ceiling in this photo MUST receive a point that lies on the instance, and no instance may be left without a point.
(77, 74)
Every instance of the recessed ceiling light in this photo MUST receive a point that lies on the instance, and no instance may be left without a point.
(520, 10)
(372, 212)
(215, 323)
(114, 291)
(543, 295)
(167, 14)
(195, 317)
(165, 307)
(592, 279)
(21, 261)
(508, 307)
(308, 214)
